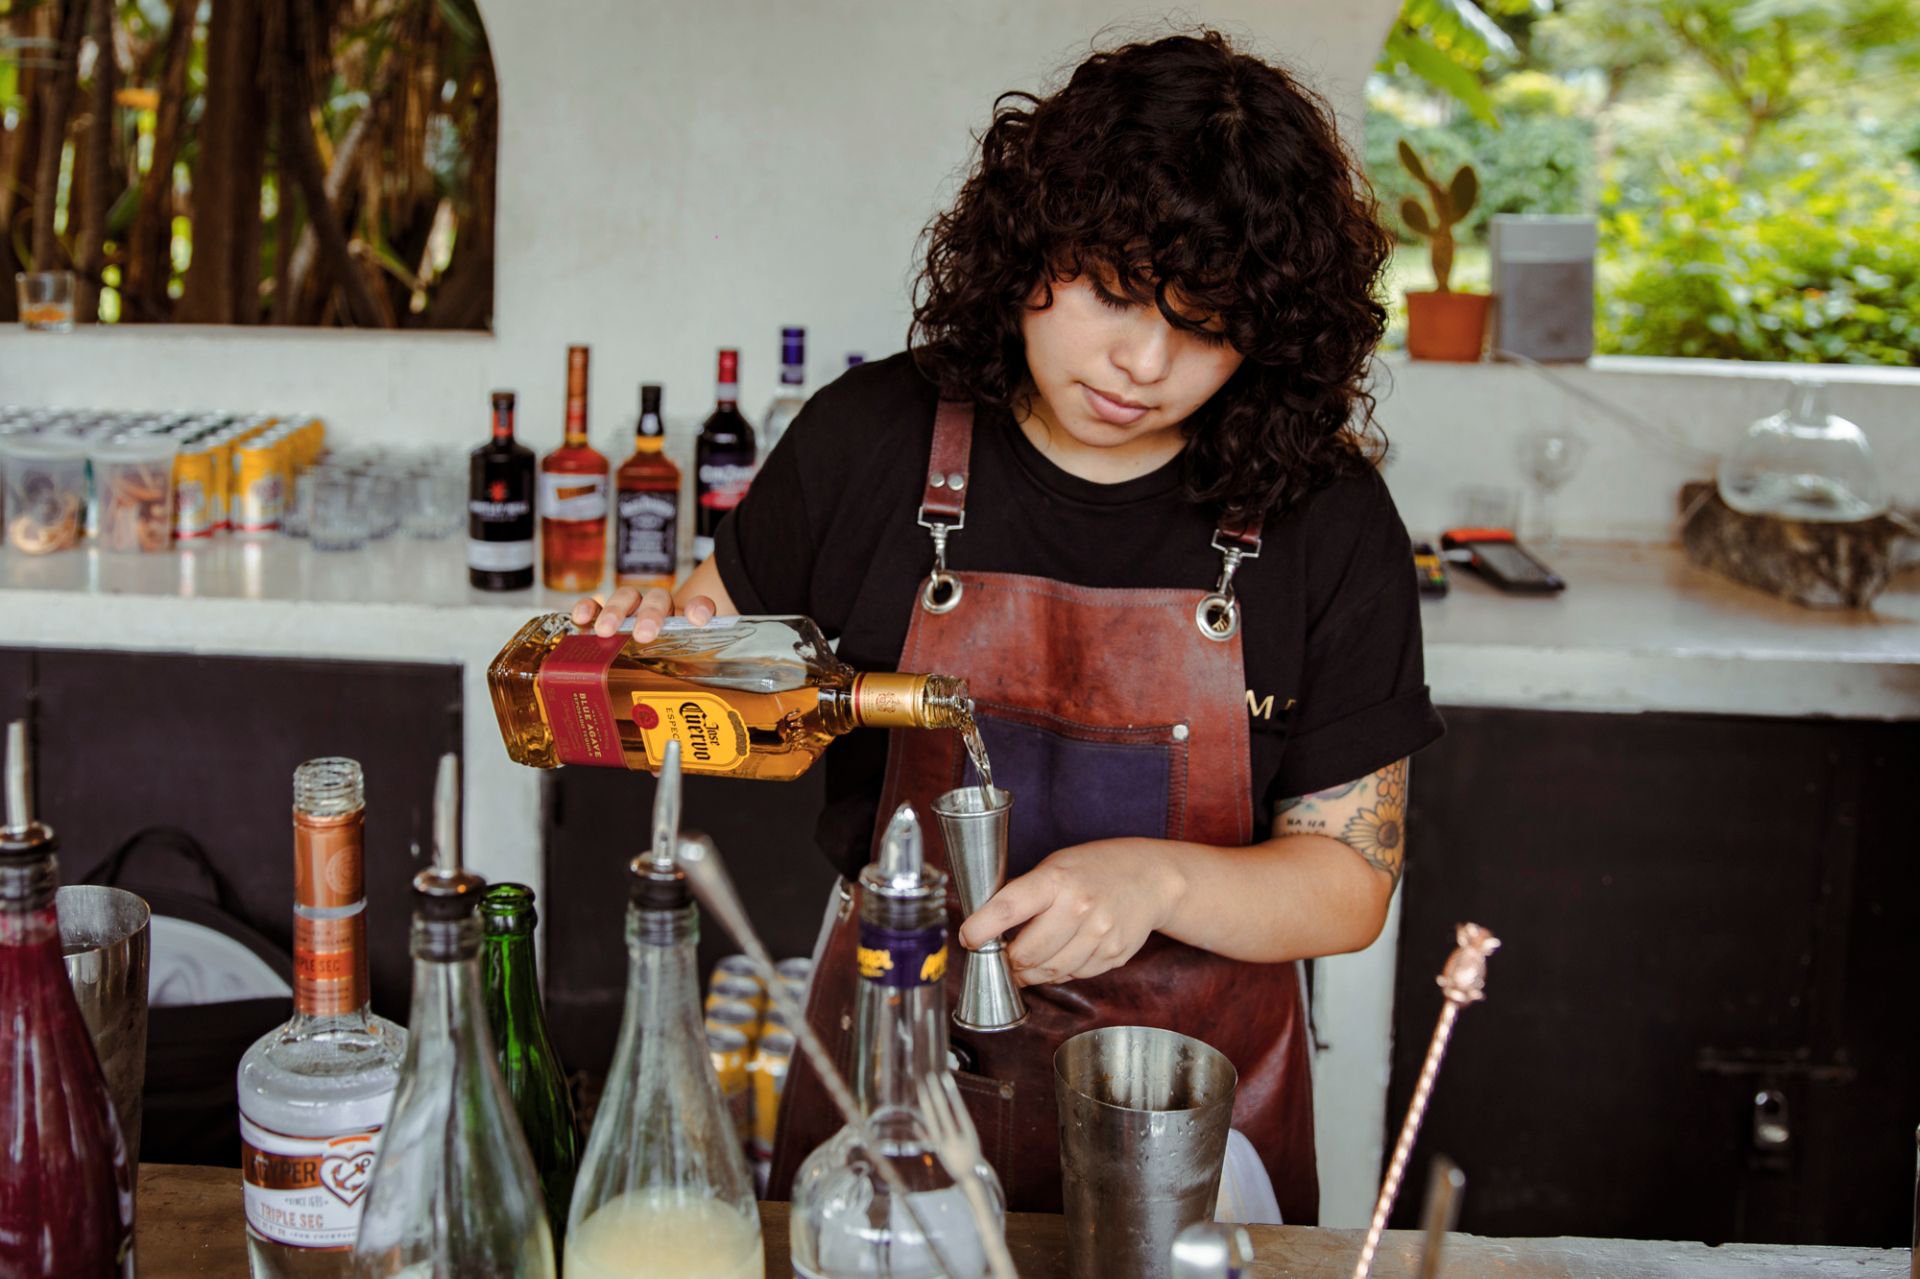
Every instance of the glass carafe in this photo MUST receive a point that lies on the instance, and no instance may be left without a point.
(1803, 463)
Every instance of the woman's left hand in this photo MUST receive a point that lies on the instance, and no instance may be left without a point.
(1086, 909)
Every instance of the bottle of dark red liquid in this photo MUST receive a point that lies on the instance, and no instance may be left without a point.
(723, 458)
(573, 496)
(500, 507)
(66, 1182)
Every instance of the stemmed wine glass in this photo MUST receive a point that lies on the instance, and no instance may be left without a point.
(1548, 456)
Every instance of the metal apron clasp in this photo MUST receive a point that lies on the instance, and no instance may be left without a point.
(1218, 612)
(943, 590)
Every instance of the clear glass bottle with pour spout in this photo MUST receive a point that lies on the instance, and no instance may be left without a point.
(845, 1224)
(663, 1191)
(454, 1194)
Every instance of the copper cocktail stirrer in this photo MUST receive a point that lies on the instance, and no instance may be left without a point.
(1463, 982)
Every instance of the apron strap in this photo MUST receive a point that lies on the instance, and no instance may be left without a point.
(1218, 613)
(943, 503)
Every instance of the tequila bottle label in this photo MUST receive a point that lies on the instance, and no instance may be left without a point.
(712, 736)
(305, 1191)
(578, 703)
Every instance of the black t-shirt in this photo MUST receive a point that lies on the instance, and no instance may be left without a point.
(1330, 612)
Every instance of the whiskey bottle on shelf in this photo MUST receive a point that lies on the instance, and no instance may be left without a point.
(723, 458)
(745, 697)
(573, 496)
(792, 394)
(845, 1222)
(646, 534)
(314, 1094)
(454, 1191)
(500, 507)
(66, 1182)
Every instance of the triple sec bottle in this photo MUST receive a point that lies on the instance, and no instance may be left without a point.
(315, 1094)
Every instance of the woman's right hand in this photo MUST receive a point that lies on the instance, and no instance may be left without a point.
(701, 598)
(648, 610)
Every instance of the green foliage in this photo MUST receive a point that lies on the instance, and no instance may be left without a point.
(1448, 44)
(1540, 161)
(1820, 265)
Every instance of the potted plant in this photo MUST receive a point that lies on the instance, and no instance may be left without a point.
(1442, 324)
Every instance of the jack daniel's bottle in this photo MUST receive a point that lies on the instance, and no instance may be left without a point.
(745, 696)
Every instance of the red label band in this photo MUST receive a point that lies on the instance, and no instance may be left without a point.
(573, 686)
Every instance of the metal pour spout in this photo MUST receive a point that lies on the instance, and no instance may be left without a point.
(19, 781)
(666, 811)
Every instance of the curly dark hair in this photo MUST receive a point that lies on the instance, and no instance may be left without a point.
(1179, 168)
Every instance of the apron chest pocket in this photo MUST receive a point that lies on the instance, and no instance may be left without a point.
(1074, 783)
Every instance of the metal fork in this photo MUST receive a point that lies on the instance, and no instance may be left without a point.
(956, 1141)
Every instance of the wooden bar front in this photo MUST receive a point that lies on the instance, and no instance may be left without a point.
(189, 1227)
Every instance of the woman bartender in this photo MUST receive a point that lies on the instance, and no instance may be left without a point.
(1124, 484)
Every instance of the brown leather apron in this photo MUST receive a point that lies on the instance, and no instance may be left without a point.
(1106, 713)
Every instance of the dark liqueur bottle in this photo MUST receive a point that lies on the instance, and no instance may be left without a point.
(500, 507)
(723, 458)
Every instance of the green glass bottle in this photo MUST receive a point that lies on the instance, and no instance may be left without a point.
(528, 1062)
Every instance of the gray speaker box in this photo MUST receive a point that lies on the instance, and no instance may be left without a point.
(1543, 285)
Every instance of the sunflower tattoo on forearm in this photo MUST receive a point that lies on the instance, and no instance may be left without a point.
(1368, 816)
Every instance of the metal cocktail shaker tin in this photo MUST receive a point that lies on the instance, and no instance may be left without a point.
(104, 937)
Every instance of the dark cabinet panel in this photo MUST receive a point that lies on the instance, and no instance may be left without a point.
(209, 744)
(1702, 1023)
(599, 819)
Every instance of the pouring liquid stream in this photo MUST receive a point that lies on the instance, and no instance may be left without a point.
(977, 752)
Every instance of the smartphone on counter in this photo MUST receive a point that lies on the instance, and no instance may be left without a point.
(1496, 555)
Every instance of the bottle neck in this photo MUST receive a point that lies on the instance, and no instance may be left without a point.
(663, 973)
(726, 396)
(650, 436)
(28, 882)
(793, 377)
(902, 1005)
(448, 1020)
(330, 981)
(30, 925)
(513, 982)
(503, 426)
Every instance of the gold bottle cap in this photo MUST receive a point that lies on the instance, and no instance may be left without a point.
(890, 700)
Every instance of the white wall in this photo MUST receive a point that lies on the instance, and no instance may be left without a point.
(674, 178)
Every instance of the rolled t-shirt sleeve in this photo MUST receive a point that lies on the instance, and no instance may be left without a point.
(1365, 701)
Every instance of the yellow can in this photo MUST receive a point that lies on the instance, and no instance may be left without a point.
(194, 493)
(737, 966)
(731, 1014)
(220, 444)
(259, 484)
(769, 1074)
(729, 1050)
(746, 990)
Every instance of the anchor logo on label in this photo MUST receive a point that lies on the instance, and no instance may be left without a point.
(346, 1176)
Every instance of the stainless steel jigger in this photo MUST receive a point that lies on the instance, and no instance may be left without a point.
(976, 838)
